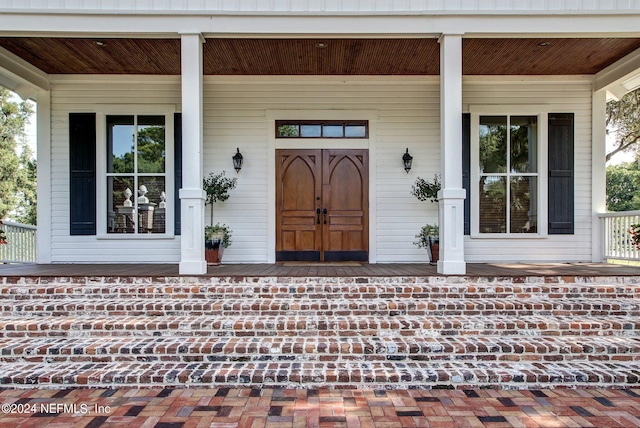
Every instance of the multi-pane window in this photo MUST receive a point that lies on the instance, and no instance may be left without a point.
(321, 129)
(508, 174)
(136, 174)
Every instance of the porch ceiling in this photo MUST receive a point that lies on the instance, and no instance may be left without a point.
(236, 56)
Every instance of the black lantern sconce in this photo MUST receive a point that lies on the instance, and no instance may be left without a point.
(407, 159)
(237, 161)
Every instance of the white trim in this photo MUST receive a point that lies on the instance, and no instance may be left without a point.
(44, 176)
(598, 173)
(620, 77)
(542, 113)
(320, 143)
(21, 76)
(104, 110)
(451, 197)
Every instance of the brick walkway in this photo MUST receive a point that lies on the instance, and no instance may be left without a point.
(176, 408)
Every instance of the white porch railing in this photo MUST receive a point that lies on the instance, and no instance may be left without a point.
(617, 239)
(21, 246)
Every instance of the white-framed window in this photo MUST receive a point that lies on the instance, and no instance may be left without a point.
(135, 173)
(508, 171)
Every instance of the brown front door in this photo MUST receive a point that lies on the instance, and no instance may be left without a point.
(322, 205)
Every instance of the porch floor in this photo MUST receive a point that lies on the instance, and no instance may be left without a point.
(323, 270)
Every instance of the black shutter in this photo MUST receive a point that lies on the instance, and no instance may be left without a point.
(82, 160)
(561, 174)
(177, 158)
(466, 169)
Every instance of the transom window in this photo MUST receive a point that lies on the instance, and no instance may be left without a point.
(136, 174)
(321, 129)
(508, 174)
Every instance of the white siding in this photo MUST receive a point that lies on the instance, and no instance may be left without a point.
(83, 97)
(408, 117)
(324, 6)
(560, 98)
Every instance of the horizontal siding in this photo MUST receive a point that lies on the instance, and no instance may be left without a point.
(559, 98)
(323, 6)
(408, 117)
(69, 97)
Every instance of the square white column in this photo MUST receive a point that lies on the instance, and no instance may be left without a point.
(451, 197)
(192, 196)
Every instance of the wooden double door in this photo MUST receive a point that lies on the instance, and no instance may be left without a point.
(322, 205)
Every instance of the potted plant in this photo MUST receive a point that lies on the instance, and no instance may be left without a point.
(3, 236)
(634, 230)
(216, 238)
(429, 236)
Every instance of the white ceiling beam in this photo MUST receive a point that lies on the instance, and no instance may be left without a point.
(620, 77)
(21, 77)
(69, 25)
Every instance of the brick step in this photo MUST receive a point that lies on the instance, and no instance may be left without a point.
(319, 349)
(318, 288)
(276, 307)
(361, 375)
(326, 326)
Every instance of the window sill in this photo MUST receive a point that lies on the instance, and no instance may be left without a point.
(135, 237)
(508, 236)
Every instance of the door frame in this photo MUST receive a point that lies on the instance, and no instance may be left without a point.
(320, 143)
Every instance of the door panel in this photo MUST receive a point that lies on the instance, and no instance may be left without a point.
(346, 197)
(322, 205)
(299, 185)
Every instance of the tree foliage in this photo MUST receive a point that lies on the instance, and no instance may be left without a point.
(17, 167)
(623, 120)
(623, 182)
(217, 187)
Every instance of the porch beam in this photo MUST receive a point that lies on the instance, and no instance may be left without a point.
(620, 77)
(192, 196)
(21, 77)
(451, 197)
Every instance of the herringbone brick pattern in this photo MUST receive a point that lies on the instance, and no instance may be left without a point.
(282, 408)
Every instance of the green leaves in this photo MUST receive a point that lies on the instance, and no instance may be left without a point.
(217, 187)
(17, 169)
(426, 190)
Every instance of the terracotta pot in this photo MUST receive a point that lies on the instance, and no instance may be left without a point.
(435, 253)
(434, 250)
(213, 251)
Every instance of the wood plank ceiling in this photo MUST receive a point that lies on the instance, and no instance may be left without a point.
(235, 56)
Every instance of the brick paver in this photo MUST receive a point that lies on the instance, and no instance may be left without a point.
(245, 407)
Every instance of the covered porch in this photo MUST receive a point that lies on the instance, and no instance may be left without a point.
(202, 74)
(334, 270)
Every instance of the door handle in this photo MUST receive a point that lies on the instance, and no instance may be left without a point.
(324, 211)
(318, 214)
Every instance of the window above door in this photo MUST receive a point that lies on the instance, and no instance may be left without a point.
(322, 129)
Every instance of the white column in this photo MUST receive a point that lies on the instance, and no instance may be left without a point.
(43, 149)
(598, 172)
(451, 197)
(192, 196)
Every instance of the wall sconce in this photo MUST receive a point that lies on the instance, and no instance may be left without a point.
(237, 161)
(407, 159)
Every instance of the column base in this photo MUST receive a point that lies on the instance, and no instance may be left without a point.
(452, 267)
(193, 268)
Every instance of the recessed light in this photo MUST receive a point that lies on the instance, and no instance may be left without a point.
(321, 45)
(99, 43)
(543, 44)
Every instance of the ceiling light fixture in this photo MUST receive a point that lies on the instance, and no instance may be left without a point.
(543, 44)
(321, 45)
(99, 43)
